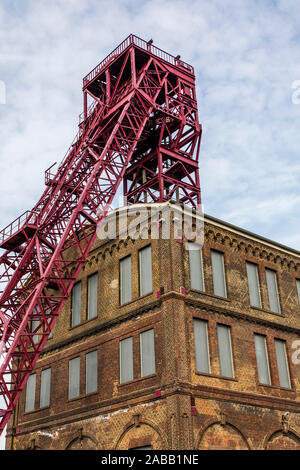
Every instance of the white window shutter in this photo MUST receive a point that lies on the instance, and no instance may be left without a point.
(74, 377)
(92, 296)
(262, 359)
(272, 291)
(201, 346)
(125, 280)
(145, 264)
(45, 388)
(126, 360)
(217, 261)
(253, 284)
(225, 351)
(30, 393)
(282, 364)
(196, 267)
(91, 382)
(147, 348)
(76, 304)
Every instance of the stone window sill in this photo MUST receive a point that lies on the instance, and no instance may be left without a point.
(210, 295)
(37, 410)
(277, 387)
(267, 311)
(135, 299)
(82, 323)
(214, 376)
(137, 380)
(81, 397)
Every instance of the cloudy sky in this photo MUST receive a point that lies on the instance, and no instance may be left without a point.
(246, 55)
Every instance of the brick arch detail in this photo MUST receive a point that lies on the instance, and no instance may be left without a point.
(291, 434)
(225, 425)
(130, 426)
(83, 437)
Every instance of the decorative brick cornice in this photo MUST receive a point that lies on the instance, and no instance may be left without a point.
(253, 247)
(239, 316)
(146, 395)
(235, 396)
(103, 326)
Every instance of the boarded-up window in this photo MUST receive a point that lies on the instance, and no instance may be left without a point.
(74, 377)
(262, 359)
(45, 388)
(272, 291)
(147, 348)
(92, 296)
(217, 262)
(91, 372)
(201, 346)
(125, 280)
(126, 360)
(30, 393)
(76, 304)
(253, 285)
(225, 352)
(196, 267)
(145, 262)
(282, 363)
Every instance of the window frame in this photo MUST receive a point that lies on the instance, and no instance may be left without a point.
(121, 382)
(197, 319)
(96, 273)
(277, 290)
(286, 361)
(86, 372)
(50, 386)
(141, 352)
(201, 266)
(267, 358)
(139, 269)
(258, 284)
(69, 377)
(120, 280)
(297, 280)
(213, 250)
(229, 329)
(34, 395)
(76, 283)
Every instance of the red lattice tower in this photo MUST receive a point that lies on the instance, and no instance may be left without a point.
(141, 127)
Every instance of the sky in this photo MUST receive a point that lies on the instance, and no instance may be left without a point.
(246, 55)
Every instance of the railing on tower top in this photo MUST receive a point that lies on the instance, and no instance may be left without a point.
(147, 46)
(28, 217)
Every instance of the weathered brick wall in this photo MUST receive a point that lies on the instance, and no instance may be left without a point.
(177, 407)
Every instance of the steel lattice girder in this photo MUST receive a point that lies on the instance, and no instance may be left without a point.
(138, 93)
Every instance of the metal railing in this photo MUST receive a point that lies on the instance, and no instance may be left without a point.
(49, 176)
(147, 46)
(90, 111)
(28, 217)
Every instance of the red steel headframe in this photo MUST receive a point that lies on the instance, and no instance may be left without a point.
(141, 127)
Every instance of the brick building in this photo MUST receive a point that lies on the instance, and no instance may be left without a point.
(169, 348)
